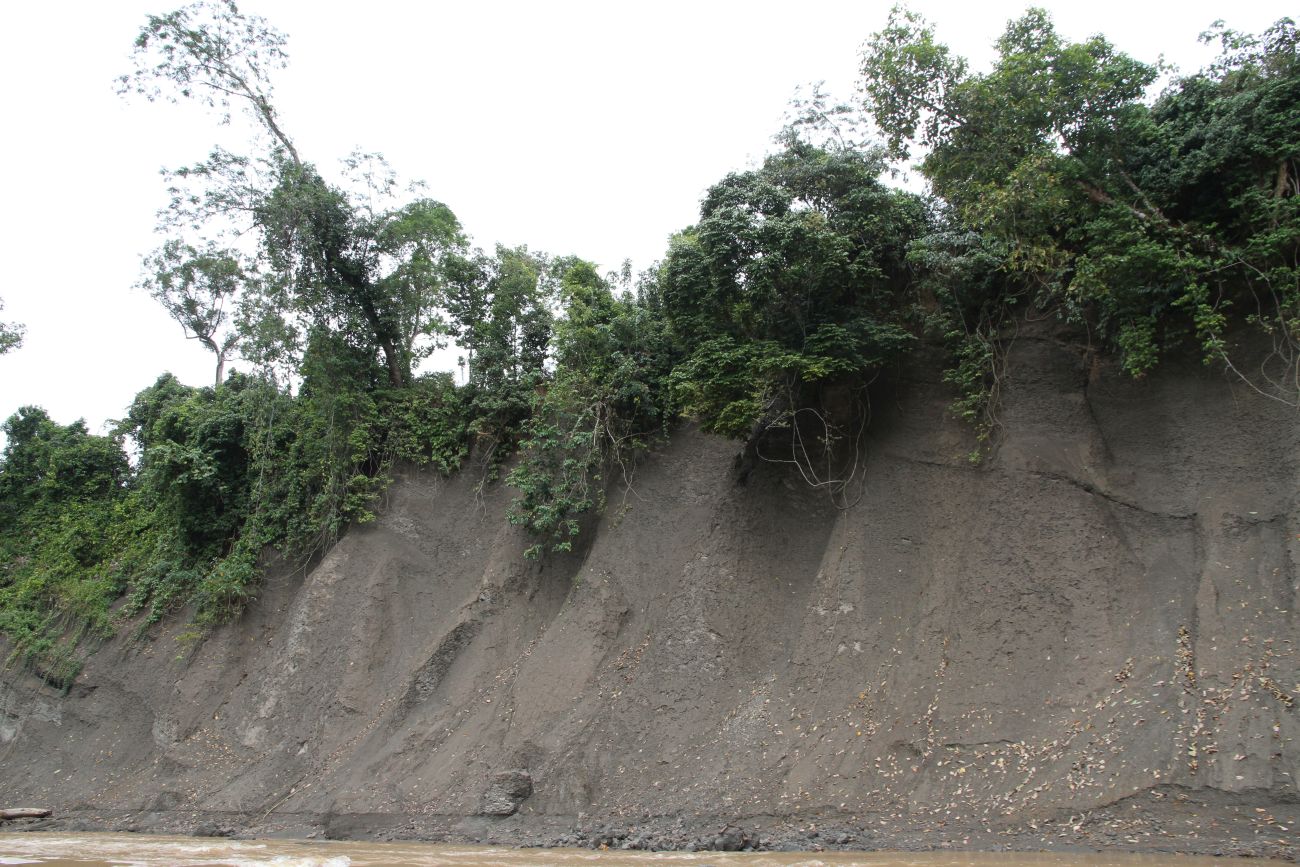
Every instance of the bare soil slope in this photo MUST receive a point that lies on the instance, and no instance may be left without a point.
(1089, 639)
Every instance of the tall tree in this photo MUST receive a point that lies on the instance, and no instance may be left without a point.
(358, 261)
(195, 287)
(376, 275)
(210, 52)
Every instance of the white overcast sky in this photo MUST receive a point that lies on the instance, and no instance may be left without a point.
(576, 128)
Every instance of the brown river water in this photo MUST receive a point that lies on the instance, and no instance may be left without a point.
(130, 850)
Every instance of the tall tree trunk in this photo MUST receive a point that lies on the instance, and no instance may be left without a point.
(392, 358)
(219, 352)
(383, 336)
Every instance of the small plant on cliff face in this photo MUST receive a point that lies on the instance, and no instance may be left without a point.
(963, 279)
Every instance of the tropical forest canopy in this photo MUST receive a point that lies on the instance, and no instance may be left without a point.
(1055, 185)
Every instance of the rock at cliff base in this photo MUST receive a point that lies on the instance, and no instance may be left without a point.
(509, 789)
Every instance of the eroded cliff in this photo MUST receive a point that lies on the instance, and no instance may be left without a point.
(1100, 615)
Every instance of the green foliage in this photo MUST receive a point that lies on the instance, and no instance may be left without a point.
(223, 474)
(62, 500)
(1195, 224)
(194, 463)
(423, 425)
(795, 275)
(962, 280)
(604, 405)
(47, 465)
(906, 79)
(1154, 223)
(1015, 152)
(375, 277)
(500, 312)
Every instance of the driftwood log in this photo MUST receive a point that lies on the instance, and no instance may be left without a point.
(24, 813)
